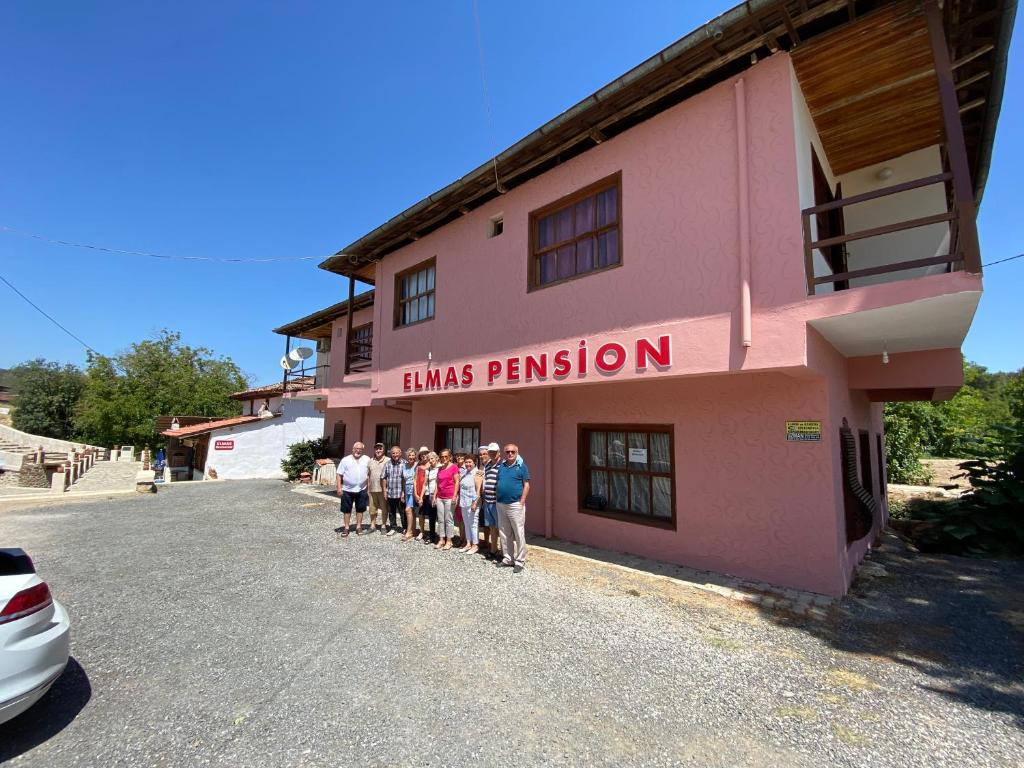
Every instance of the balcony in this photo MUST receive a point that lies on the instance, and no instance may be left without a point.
(307, 382)
(933, 243)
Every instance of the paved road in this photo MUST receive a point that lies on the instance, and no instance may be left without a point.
(227, 624)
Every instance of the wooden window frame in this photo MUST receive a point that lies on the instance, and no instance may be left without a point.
(400, 302)
(533, 263)
(384, 426)
(583, 469)
(446, 425)
(354, 363)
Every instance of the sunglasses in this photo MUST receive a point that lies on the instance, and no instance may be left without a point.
(513, 452)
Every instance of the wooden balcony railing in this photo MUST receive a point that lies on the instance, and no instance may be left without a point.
(954, 255)
(306, 377)
(360, 349)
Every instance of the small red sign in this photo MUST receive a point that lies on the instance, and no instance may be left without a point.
(223, 445)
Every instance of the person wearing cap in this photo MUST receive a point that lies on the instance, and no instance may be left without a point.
(375, 487)
(489, 466)
(511, 491)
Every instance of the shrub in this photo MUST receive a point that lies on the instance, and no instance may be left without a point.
(301, 456)
(904, 424)
(989, 519)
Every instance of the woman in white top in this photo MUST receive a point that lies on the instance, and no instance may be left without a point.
(470, 480)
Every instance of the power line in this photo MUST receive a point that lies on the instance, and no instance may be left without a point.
(487, 94)
(1009, 258)
(53, 241)
(43, 313)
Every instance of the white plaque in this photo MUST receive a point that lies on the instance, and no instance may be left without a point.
(638, 455)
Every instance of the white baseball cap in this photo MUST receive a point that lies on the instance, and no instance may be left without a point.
(493, 447)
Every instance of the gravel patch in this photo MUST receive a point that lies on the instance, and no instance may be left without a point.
(228, 624)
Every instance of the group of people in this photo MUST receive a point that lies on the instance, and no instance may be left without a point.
(432, 496)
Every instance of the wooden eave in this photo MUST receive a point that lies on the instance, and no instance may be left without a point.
(861, 62)
(318, 324)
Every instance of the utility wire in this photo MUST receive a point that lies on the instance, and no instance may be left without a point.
(1009, 258)
(38, 309)
(487, 94)
(53, 241)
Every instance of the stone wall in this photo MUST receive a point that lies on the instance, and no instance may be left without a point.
(33, 476)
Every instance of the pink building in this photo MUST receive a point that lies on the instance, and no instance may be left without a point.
(688, 297)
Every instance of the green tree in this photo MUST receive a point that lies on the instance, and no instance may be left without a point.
(906, 427)
(45, 397)
(160, 376)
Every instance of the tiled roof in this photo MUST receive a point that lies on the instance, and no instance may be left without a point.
(210, 426)
(298, 383)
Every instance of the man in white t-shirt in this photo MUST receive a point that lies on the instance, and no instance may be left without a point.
(352, 474)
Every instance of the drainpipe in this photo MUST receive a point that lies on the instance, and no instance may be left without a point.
(549, 475)
(362, 418)
(744, 210)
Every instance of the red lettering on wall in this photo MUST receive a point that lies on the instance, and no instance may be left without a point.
(407, 382)
(417, 384)
(581, 357)
(512, 365)
(618, 356)
(536, 367)
(562, 363)
(647, 353)
(434, 379)
(493, 370)
(451, 378)
(467, 375)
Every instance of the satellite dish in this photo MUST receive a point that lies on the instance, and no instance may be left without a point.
(300, 353)
(286, 363)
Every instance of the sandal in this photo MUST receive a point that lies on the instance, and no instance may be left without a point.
(344, 533)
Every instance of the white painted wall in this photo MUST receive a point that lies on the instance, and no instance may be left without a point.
(920, 243)
(260, 446)
(805, 135)
(255, 405)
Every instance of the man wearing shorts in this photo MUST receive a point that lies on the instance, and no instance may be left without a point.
(489, 466)
(353, 472)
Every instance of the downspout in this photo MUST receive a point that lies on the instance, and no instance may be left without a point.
(362, 418)
(549, 411)
(744, 210)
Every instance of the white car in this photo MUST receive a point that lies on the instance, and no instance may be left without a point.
(34, 635)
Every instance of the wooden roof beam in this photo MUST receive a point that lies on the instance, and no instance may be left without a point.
(972, 80)
(972, 56)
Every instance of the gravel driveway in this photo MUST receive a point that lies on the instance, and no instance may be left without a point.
(228, 624)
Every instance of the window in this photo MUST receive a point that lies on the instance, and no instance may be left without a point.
(627, 471)
(360, 348)
(389, 434)
(578, 234)
(414, 294)
(497, 226)
(457, 438)
(338, 438)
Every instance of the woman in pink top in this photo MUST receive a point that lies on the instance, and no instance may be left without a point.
(447, 487)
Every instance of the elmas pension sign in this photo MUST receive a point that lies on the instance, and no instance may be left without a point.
(608, 359)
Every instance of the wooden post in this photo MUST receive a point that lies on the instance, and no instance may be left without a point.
(963, 194)
(284, 376)
(348, 322)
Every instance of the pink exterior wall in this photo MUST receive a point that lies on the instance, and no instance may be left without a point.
(680, 266)
(748, 501)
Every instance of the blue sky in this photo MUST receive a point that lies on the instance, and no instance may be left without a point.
(256, 129)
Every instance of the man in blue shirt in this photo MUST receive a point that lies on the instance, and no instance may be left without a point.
(511, 491)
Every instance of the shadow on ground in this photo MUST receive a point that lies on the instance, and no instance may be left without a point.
(49, 716)
(959, 621)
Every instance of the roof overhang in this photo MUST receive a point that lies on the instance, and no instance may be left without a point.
(318, 324)
(977, 30)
